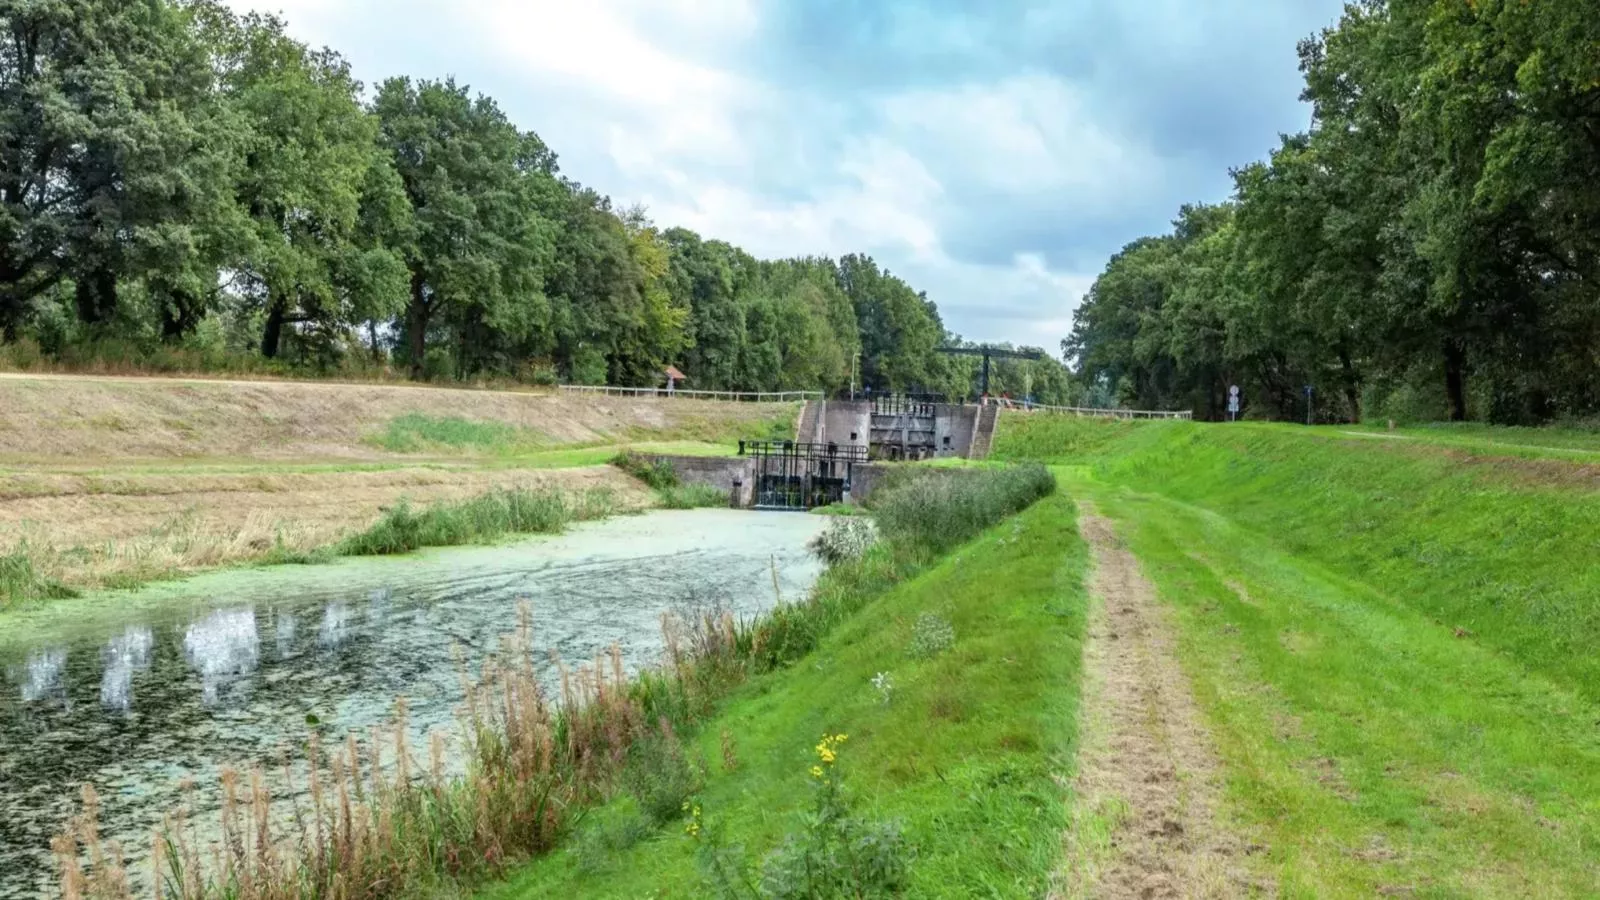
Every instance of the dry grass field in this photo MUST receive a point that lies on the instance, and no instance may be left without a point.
(112, 481)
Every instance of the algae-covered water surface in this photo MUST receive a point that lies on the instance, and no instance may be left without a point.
(138, 693)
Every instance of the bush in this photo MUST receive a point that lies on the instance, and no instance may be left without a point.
(846, 540)
(660, 777)
(935, 510)
(657, 473)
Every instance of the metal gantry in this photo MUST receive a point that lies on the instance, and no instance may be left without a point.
(795, 475)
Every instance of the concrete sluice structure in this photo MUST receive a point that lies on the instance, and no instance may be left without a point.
(842, 450)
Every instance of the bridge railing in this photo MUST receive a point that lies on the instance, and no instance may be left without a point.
(1093, 413)
(737, 396)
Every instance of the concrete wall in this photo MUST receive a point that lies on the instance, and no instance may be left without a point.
(844, 418)
(956, 423)
(719, 472)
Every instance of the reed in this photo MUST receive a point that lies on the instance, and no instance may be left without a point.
(373, 824)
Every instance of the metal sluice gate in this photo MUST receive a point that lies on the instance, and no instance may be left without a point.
(791, 475)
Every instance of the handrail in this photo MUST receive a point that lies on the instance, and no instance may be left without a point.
(1093, 413)
(746, 396)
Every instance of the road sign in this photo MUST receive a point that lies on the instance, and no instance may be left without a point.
(1233, 391)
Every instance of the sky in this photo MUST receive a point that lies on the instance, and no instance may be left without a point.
(993, 153)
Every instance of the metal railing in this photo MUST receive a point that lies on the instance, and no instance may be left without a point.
(741, 396)
(1092, 413)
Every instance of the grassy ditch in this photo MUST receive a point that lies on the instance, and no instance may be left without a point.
(1379, 634)
(383, 822)
(484, 518)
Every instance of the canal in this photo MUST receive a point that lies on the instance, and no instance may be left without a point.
(137, 692)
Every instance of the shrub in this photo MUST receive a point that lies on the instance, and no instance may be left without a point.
(660, 777)
(657, 474)
(935, 510)
(845, 540)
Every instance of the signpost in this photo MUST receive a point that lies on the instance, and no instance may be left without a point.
(1233, 403)
(1309, 392)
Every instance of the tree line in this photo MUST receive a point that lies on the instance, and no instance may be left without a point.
(1428, 249)
(179, 179)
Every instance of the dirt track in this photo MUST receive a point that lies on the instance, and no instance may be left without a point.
(1147, 774)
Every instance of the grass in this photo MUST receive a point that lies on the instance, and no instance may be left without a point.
(416, 433)
(484, 518)
(1389, 640)
(400, 828)
(671, 492)
(1498, 546)
(21, 583)
(964, 754)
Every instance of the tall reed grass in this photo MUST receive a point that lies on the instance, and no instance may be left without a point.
(486, 517)
(933, 511)
(378, 819)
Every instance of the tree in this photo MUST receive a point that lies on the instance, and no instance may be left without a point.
(114, 160)
(481, 250)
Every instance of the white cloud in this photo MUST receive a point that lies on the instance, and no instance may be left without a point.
(1027, 134)
(633, 99)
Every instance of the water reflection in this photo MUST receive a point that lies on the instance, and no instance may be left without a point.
(44, 670)
(235, 670)
(122, 656)
(223, 647)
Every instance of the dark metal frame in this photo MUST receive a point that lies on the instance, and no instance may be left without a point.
(796, 475)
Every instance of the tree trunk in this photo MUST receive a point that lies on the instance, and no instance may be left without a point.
(417, 325)
(1455, 379)
(97, 295)
(272, 334)
(1352, 384)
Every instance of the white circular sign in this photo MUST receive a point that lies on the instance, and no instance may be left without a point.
(1233, 391)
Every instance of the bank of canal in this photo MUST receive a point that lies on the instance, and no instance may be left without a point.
(135, 693)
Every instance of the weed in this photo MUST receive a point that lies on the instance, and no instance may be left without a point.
(20, 582)
(415, 433)
(672, 493)
(693, 496)
(933, 511)
(845, 540)
(484, 518)
(932, 635)
(659, 776)
(883, 683)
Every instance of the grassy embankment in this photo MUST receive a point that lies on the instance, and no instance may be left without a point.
(958, 699)
(958, 692)
(1392, 640)
(109, 483)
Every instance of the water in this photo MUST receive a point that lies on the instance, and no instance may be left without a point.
(133, 693)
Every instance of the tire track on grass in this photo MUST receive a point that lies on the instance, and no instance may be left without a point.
(1148, 784)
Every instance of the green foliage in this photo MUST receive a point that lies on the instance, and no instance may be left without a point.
(660, 777)
(969, 749)
(693, 496)
(1425, 250)
(656, 473)
(671, 492)
(846, 540)
(20, 582)
(485, 518)
(937, 509)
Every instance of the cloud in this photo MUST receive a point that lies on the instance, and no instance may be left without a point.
(992, 154)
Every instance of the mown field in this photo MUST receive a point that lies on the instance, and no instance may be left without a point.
(1392, 641)
(108, 482)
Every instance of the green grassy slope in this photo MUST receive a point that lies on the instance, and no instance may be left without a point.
(1387, 642)
(964, 752)
(1500, 546)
